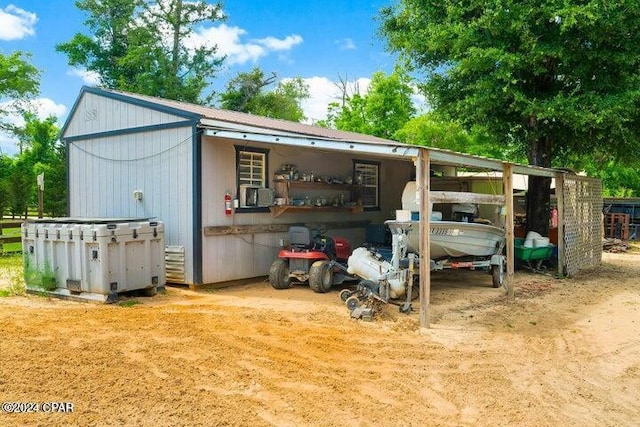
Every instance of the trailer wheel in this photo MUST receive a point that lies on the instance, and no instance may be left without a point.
(345, 294)
(352, 303)
(497, 275)
(279, 274)
(320, 276)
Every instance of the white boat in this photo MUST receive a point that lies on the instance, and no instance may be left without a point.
(452, 239)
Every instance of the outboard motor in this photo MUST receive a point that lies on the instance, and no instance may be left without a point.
(366, 265)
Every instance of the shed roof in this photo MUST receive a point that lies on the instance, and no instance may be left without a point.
(233, 124)
(245, 119)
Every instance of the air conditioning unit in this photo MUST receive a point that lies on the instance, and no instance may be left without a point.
(248, 195)
(255, 196)
(266, 197)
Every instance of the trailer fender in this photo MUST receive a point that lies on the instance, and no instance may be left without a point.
(497, 260)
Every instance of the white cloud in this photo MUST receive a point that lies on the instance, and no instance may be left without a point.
(420, 103)
(42, 107)
(89, 78)
(45, 107)
(324, 91)
(275, 44)
(16, 23)
(230, 43)
(346, 44)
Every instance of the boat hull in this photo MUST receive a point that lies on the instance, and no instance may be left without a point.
(451, 239)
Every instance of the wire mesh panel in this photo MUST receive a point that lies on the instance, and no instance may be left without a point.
(582, 199)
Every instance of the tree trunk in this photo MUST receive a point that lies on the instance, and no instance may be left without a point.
(539, 193)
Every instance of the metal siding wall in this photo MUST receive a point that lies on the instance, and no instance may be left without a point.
(103, 178)
(243, 256)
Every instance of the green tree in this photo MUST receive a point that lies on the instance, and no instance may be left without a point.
(381, 111)
(428, 130)
(21, 186)
(6, 164)
(556, 77)
(46, 154)
(618, 179)
(246, 93)
(142, 46)
(19, 82)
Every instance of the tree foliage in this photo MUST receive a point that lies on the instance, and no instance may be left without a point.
(143, 46)
(20, 186)
(558, 78)
(430, 131)
(247, 93)
(619, 179)
(47, 155)
(19, 81)
(381, 111)
(6, 164)
(43, 153)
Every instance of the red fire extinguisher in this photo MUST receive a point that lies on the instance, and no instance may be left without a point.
(227, 203)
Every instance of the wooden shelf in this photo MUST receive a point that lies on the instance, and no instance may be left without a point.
(317, 185)
(279, 210)
(285, 188)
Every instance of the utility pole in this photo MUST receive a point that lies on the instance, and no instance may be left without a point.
(40, 181)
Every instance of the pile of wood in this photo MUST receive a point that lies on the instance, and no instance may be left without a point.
(614, 245)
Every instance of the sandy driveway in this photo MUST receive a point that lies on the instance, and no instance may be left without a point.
(563, 353)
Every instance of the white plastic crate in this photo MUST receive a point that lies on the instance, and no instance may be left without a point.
(93, 258)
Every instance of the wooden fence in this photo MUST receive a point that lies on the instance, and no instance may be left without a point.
(9, 239)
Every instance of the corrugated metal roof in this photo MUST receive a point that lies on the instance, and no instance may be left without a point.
(235, 117)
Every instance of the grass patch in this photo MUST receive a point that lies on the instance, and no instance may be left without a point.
(10, 262)
(35, 278)
(11, 277)
(128, 303)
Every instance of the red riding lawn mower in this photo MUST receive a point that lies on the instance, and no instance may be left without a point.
(320, 260)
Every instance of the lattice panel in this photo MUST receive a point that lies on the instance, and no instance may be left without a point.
(582, 222)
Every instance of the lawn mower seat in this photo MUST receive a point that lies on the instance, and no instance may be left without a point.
(300, 237)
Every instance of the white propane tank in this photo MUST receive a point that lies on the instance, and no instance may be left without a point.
(410, 200)
(362, 263)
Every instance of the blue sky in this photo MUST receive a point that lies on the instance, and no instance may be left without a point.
(319, 41)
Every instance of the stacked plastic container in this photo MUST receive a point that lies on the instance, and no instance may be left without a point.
(93, 259)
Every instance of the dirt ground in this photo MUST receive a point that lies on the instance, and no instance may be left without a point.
(563, 352)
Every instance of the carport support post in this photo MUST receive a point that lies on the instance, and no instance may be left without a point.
(423, 177)
(507, 184)
(560, 206)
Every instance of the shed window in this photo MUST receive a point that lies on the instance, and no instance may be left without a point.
(252, 166)
(367, 175)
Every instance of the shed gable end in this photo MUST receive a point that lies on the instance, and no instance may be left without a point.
(96, 114)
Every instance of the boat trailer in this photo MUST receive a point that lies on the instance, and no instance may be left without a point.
(386, 282)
